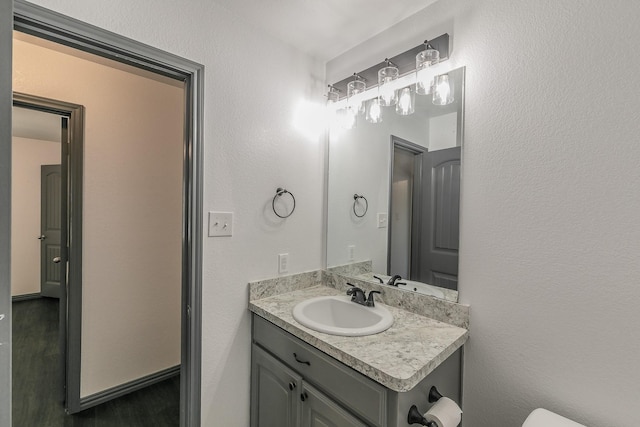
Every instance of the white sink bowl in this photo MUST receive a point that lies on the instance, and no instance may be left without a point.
(338, 315)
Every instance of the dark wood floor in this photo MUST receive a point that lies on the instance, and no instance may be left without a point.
(36, 381)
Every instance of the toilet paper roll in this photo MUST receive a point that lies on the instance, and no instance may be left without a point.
(445, 413)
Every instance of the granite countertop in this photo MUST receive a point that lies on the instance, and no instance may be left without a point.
(398, 358)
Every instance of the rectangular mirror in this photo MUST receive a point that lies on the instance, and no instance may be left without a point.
(394, 196)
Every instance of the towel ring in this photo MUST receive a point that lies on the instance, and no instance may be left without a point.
(279, 193)
(355, 202)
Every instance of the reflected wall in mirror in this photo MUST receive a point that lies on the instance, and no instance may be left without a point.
(408, 168)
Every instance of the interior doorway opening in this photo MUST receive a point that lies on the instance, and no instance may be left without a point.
(49, 26)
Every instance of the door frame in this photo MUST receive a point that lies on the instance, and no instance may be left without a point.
(6, 40)
(46, 24)
(416, 215)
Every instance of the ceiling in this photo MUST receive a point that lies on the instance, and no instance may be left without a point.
(33, 124)
(324, 28)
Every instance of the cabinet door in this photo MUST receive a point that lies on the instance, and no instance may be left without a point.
(274, 392)
(320, 411)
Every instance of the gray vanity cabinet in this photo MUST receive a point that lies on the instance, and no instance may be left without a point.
(280, 398)
(295, 384)
(320, 411)
(275, 391)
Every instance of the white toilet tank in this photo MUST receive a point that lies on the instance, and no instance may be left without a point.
(543, 418)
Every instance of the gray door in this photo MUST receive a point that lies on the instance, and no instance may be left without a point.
(441, 207)
(51, 227)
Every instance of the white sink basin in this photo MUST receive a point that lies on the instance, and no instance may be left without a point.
(337, 315)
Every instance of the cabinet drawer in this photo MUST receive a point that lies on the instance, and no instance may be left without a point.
(357, 393)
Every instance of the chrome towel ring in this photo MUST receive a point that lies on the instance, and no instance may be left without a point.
(279, 193)
(355, 202)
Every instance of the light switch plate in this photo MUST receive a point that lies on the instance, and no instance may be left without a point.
(220, 224)
(382, 220)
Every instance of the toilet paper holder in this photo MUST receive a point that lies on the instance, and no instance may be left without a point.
(415, 417)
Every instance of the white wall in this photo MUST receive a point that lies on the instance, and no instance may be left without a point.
(252, 86)
(550, 242)
(132, 211)
(27, 157)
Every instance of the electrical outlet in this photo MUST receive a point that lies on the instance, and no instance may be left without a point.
(351, 250)
(283, 263)
(220, 224)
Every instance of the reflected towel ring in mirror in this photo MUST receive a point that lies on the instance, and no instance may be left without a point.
(355, 202)
(280, 192)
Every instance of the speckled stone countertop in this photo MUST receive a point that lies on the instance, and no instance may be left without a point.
(398, 358)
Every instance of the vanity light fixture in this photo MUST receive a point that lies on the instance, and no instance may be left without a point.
(424, 74)
(419, 70)
(355, 91)
(406, 101)
(442, 90)
(386, 86)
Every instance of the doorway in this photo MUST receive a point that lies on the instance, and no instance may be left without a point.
(36, 213)
(405, 208)
(42, 23)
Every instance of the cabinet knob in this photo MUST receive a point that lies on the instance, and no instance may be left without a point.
(304, 396)
(292, 385)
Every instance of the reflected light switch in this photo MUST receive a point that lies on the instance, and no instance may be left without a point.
(220, 224)
(382, 220)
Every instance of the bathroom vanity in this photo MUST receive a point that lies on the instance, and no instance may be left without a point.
(301, 377)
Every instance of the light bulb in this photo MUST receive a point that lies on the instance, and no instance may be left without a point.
(355, 91)
(386, 89)
(349, 118)
(374, 111)
(406, 102)
(424, 75)
(442, 93)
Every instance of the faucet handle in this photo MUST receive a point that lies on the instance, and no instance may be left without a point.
(370, 301)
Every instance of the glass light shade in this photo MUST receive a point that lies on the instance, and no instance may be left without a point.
(374, 111)
(348, 118)
(406, 101)
(424, 75)
(386, 89)
(355, 91)
(333, 95)
(442, 90)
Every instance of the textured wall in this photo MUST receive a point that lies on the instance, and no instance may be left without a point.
(550, 242)
(252, 85)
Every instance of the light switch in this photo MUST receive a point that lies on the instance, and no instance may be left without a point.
(220, 224)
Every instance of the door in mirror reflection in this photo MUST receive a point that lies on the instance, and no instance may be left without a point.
(440, 233)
